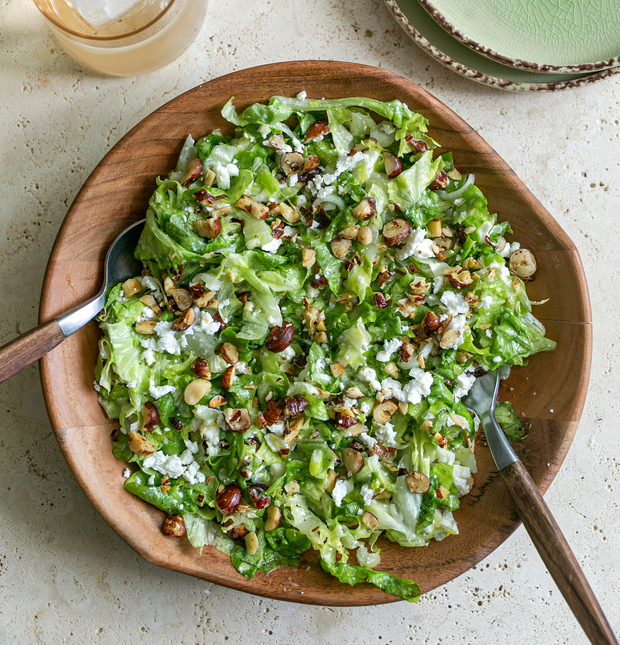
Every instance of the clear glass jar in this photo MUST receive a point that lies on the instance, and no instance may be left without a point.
(153, 34)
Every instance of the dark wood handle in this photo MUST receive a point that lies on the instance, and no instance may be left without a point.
(27, 349)
(556, 554)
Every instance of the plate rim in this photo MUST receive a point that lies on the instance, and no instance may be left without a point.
(329, 70)
(517, 63)
(480, 77)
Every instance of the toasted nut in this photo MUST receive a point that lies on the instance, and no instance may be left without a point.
(364, 235)
(391, 369)
(217, 401)
(403, 406)
(311, 163)
(450, 339)
(316, 130)
(355, 430)
(150, 417)
(146, 327)
(353, 460)
(434, 228)
(222, 211)
(229, 353)
(274, 517)
(442, 492)
(337, 369)
(196, 390)
(291, 163)
(185, 321)
(291, 487)
(182, 297)
(459, 420)
(440, 181)
(289, 213)
(349, 233)
(418, 482)
(340, 247)
(193, 172)
(280, 337)
(354, 393)
(200, 367)
(151, 303)
(228, 377)
(139, 444)
(308, 257)
(321, 337)
(470, 263)
(260, 211)
(500, 245)
(237, 420)
(244, 203)
(209, 228)
(210, 177)
(131, 287)
(251, 543)
(277, 141)
(427, 424)
(292, 430)
(237, 532)
(396, 231)
(257, 495)
(393, 165)
(431, 323)
(369, 520)
(365, 209)
(380, 301)
(523, 264)
(383, 412)
(440, 440)
(174, 526)
(228, 500)
(330, 482)
(455, 174)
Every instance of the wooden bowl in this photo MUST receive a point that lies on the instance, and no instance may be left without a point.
(117, 193)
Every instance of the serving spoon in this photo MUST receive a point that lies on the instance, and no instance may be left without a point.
(536, 516)
(119, 265)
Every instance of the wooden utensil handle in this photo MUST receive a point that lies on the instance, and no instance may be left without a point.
(556, 554)
(26, 349)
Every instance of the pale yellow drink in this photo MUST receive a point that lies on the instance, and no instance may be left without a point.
(151, 35)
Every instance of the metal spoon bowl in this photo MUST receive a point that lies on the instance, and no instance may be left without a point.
(119, 265)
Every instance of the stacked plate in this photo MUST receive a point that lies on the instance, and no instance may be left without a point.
(519, 45)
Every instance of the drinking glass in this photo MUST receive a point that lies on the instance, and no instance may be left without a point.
(149, 36)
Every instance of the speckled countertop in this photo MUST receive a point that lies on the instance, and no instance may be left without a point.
(65, 576)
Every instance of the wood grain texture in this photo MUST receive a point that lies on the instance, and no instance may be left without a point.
(557, 554)
(28, 348)
(117, 193)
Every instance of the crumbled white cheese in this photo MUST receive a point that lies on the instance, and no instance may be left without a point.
(389, 347)
(485, 302)
(290, 231)
(223, 173)
(302, 95)
(126, 473)
(365, 407)
(169, 465)
(502, 272)
(292, 180)
(419, 386)
(497, 359)
(367, 494)
(341, 490)
(438, 283)
(149, 282)
(192, 446)
(288, 353)
(462, 384)
(148, 356)
(273, 246)
(349, 403)
(157, 391)
(386, 435)
(343, 164)
(509, 249)
(484, 230)
(416, 244)
(392, 389)
(454, 303)
(367, 440)
(151, 480)
(369, 375)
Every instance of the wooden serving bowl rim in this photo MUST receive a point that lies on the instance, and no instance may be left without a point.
(550, 392)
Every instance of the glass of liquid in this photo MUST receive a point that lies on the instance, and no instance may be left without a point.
(149, 35)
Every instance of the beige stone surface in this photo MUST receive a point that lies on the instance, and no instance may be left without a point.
(65, 576)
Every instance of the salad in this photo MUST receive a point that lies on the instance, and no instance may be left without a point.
(320, 291)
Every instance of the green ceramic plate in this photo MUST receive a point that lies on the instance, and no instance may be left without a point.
(425, 32)
(562, 36)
